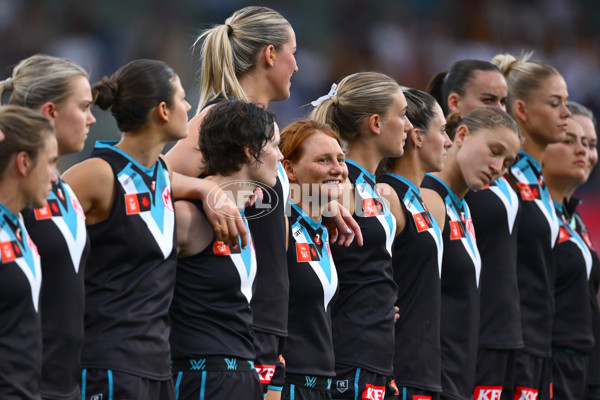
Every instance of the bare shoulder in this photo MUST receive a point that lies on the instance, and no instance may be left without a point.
(435, 204)
(185, 156)
(93, 182)
(393, 202)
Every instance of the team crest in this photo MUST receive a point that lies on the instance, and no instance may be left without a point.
(342, 386)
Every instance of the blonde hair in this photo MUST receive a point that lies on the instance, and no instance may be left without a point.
(40, 79)
(522, 76)
(230, 50)
(358, 96)
(24, 130)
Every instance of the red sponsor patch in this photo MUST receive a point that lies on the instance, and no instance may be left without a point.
(132, 204)
(422, 221)
(420, 397)
(302, 252)
(136, 203)
(265, 373)
(456, 231)
(221, 249)
(43, 213)
(527, 192)
(8, 252)
(369, 207)
(525, 393)
(373, 392)
(306, 252)
(487, 392)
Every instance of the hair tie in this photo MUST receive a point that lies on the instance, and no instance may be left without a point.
(229, 30)
(332, 93)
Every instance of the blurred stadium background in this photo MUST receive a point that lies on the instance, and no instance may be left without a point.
(410, 40)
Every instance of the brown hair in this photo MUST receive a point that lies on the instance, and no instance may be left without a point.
(24, 130)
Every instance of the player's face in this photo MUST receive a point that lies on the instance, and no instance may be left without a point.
(485, 155)
(546, 112)
(486, 88)
(265, 170)
(568, 159)
(284, 66)
(321, 169)
(589, 131)
(73, 117)
(42, 174)
(179, 110)
(394, 127)
(435, 143)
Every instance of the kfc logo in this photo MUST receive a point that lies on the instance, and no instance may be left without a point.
(373, 392)
(265, 373)
(487, 392)
(525, 393)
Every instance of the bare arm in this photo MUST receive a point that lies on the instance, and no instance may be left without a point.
(93, 182)
(436, 206)
(221, 212)
(393, 202)
(194, 232)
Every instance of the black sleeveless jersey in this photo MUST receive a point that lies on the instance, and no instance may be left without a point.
(417, 261)
(495, 211)
(363, 314)
(20, 325)
(267, 223)
(576, 222)
(313, 285)
(210, 314)
(572, 326)
(461, 267)
(58, 229)
(537, 232)
(131, 271)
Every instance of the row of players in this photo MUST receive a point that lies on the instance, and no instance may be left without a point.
(474, 318)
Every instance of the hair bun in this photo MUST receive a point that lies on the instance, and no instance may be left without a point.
(452, 122)
(105, 93)
(506, 62)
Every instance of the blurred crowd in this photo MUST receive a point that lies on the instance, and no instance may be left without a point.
(410, 40)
